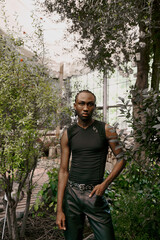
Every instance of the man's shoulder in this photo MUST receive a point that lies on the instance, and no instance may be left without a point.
(100, 128)
(71, 130)
(99, 123)
(72, 126)
(102, 123)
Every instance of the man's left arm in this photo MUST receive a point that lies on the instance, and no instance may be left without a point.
(118, 152)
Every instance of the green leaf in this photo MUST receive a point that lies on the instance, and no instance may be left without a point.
(157, 126)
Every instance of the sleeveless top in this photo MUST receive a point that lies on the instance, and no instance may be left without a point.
(89, 148)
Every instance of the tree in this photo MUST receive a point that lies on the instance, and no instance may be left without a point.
(28, 104)
(112, 33)
(139, 184)
(156, 45)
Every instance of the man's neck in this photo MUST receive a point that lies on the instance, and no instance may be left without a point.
(85, 124)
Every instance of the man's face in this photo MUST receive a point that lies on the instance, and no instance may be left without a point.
(84, 106)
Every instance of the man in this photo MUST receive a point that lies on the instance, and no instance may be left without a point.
(81, 189)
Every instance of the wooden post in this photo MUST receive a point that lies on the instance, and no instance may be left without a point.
(61, 78)
(105, 103)
(60, 94)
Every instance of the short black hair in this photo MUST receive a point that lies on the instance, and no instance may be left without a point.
(87, 91)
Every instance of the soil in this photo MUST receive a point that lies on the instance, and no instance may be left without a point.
(42, 226)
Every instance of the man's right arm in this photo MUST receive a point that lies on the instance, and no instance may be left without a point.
(62, 180)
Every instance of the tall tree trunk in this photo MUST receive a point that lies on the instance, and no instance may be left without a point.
(28, 200)
(25, 217)
(141, 81)
(142, 67)
(143, 61)
(9, 224)
(13, 223)
(156, 45)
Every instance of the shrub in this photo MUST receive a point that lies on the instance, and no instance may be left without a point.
(135, 194)
(48, 194)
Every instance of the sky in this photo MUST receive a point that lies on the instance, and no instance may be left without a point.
(58, 42)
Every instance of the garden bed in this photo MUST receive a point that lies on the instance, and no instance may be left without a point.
(41, 225)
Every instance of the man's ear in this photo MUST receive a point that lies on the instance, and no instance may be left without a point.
(94, 106)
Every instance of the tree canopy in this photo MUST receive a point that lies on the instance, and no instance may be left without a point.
(114, 33)
(28, 106)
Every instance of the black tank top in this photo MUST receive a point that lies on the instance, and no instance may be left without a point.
(89, 149)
